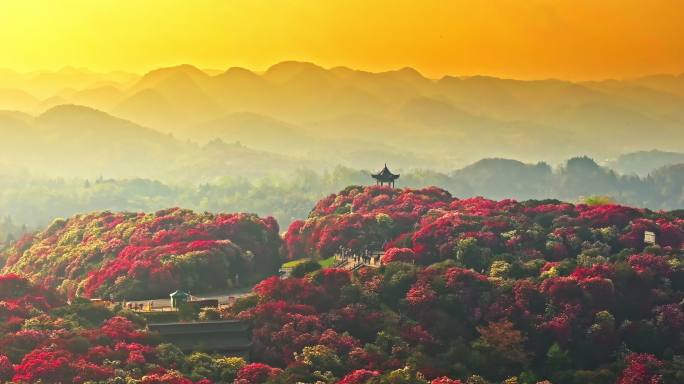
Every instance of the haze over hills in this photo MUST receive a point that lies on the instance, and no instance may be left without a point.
(77, 141)
(360, 118)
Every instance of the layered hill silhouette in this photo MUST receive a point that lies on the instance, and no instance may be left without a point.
(303, 110)
(77, 141)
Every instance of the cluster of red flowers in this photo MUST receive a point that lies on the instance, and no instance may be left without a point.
(398, 254)
(641, 369)
(255, 373)
(135, 255)
(19, 300)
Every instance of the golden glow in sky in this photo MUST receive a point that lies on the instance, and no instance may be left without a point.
(571, 39)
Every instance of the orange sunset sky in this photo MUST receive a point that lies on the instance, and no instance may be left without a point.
(570, 39)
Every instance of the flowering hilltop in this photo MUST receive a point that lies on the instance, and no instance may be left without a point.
(476, 291)
(136, 255)
(436, 227)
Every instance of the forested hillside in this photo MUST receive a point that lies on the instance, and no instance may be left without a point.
(138, 255)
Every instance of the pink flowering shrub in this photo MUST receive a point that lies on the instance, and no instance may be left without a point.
(360, 376)
(255, 373)
(405, 255)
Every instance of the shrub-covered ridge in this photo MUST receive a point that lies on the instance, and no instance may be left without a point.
(476, 290)
(437, 227)
(136, 255)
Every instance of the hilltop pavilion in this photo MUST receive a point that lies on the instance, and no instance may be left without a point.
(385, 176)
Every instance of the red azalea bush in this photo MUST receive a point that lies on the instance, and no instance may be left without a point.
(44, 365)
(255, 373)
(21, 299)
(642, 368)
(136, 255)
(405, 255)
(360, 376)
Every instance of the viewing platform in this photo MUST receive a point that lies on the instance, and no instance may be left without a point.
(351, 260)
(225, 297)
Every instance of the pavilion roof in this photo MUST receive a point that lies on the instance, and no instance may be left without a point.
(385, 174)
(179, 293)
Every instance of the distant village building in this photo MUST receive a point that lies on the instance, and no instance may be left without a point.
(385, 176)
(649, 238)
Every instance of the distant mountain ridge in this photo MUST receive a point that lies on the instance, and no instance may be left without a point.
(301, 109)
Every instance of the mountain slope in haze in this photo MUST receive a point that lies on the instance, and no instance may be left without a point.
(77, 141)
(644, 162)
(218, 159)
(667, 83)
(509, 177)
(253, 130)
(103, 97)
(184, 89)
(45, 84)
(16, 99)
